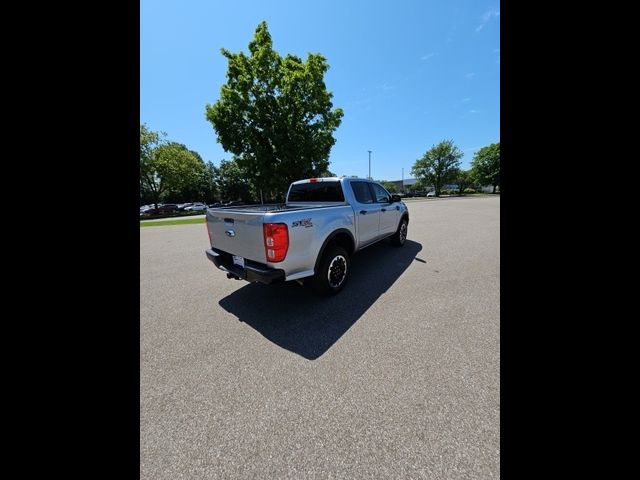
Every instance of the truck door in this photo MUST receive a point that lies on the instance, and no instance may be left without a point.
(388, 210)
(367, 213)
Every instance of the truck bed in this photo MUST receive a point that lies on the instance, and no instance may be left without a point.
(239, 230)
(269, 208)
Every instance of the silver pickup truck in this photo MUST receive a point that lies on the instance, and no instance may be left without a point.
(311, 237)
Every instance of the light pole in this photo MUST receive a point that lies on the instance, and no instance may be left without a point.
(369, 164)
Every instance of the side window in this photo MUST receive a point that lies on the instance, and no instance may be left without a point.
(362, 192)
(382, 196)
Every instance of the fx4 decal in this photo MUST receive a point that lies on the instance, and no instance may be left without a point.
(306, 223)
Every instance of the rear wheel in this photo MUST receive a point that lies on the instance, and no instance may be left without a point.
(400, 236)
(333, 271)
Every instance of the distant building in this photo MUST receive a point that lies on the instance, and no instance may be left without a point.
(408, 184)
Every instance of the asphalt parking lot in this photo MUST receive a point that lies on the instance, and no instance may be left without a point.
(396, 377)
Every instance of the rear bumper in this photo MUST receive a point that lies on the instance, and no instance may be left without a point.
(252, 271)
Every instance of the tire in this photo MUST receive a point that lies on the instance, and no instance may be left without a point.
(400, 236)
(333, 271)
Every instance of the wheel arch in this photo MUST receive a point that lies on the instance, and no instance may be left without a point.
(342, 237)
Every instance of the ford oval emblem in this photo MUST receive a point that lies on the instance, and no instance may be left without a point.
(230, 233)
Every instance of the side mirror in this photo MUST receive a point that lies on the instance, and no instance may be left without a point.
(395, 198)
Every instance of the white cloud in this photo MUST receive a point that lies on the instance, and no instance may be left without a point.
(475, 111)
(486, 16)
(490, 13)
(427, 56)
(470, 75)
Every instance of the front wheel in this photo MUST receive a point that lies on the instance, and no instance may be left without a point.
(400, 236)
(333, 271)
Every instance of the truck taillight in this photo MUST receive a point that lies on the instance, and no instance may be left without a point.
(276, 241)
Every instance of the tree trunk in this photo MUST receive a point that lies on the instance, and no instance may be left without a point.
(494, 189)
(156, 197)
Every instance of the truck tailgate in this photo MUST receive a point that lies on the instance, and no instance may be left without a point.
(237, 233)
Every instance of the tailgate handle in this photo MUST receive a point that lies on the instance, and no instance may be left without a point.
(363, 212)
(228, 220)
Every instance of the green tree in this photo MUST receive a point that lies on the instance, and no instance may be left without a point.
(165, 166)
(421, 184)
(207, 184)
(275, 115)
(438, 165)
(390, 186)
(203, 189)
(149, 140)
(485, 166)
(327, 174)
(232, 183)
(463, 178)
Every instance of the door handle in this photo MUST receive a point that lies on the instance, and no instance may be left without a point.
(363, 212)
(383, 210)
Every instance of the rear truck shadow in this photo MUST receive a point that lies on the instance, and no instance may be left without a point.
(296, 319)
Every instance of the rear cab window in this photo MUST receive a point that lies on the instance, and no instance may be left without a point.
(316, 192)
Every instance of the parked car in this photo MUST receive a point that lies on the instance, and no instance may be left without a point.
(197, 207)
(162, 209)
(431, 194)
(168, 208)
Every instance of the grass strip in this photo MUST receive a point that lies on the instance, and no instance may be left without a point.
(183, 221)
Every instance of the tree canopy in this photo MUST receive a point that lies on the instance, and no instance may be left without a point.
(275, 115)
(438, 165)
(231, 182)
(485, 165)
(463, 179)
(166, 166)
(390, 186)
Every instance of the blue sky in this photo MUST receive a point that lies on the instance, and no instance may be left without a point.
(407, 74)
